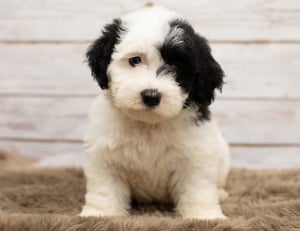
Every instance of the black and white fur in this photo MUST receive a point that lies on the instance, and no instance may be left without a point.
(151, 136)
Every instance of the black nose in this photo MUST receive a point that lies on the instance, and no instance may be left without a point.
(151, 97)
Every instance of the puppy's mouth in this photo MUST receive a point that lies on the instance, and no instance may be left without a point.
(146, 114)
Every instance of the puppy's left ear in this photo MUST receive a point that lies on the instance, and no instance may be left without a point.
(99, 53)
(209, 74)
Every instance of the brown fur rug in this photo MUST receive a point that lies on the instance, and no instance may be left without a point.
(50, 199)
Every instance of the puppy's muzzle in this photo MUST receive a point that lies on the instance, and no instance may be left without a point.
(151, 97)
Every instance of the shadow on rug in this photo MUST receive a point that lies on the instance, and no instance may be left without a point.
(50, 199)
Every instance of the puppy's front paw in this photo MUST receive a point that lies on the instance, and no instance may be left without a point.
(206, 216)
(203, 214)
(90, 211)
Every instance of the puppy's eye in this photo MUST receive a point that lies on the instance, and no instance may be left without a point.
(133, 61)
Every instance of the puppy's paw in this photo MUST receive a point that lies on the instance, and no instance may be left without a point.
(89, 212)
(203, 214)
(94, 212)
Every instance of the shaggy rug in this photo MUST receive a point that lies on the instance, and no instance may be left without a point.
(50, 199)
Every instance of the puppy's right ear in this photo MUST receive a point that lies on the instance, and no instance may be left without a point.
(99, 53)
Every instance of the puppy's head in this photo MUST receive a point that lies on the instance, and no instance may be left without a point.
(153, 65)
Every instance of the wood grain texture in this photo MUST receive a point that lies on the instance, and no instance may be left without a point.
(65, 119)
(45, 69)
(230, 20)
(43, 118)
(266, 157)
(42, 150)
(72, 154)
(46, 88)
(259, 122)
(59, 69)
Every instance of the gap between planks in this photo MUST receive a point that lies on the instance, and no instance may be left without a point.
(219, 41)
(92, 95)
(47, 69)
(79, 141)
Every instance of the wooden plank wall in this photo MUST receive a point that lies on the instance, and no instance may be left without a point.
(46, 88)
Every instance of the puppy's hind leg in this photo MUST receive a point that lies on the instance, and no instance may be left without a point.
(223, 172)
(222, 194)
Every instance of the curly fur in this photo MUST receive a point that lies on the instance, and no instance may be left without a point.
(169, 152)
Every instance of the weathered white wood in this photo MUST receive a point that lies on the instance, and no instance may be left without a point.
(255, 158)
(72, 154)
(265, 70)
(43, 149)
(45, 69)
(267, 157)
(65, 119)
(275, 20)
(259, 109)
(253, 71)
(44, 118)
(259, 122)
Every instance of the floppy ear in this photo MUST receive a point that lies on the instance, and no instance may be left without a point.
(209, 74)
(99, 53)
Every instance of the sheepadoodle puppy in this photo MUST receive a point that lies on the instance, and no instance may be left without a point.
(151, 136)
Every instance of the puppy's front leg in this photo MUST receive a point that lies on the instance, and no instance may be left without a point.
(107, 194)
(197, 197)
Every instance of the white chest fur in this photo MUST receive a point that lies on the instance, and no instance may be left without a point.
(150, 157)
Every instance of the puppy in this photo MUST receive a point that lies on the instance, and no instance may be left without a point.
(150, 135)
